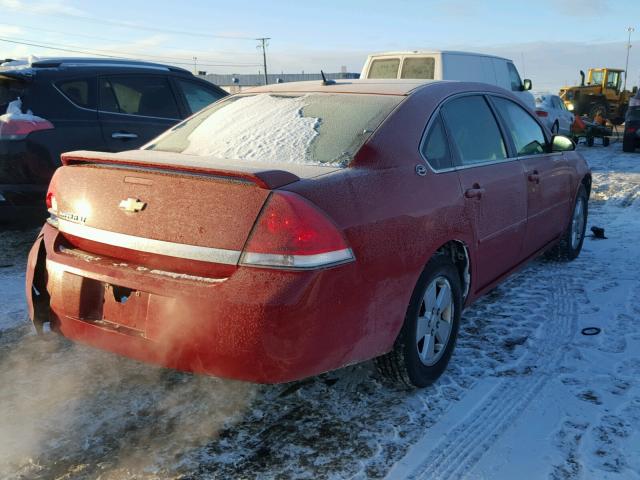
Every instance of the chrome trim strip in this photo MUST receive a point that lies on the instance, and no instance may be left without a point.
(297, 262)
(138, 116)
(92, 110)
(160, 247)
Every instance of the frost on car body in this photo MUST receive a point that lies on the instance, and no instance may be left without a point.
(376, 195)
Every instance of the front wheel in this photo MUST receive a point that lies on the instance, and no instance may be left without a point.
(426, 341)
(571, 243)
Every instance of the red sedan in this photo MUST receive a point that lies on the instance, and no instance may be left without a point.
(302, 227)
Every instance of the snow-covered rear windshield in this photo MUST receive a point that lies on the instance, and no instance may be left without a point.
(314, 128)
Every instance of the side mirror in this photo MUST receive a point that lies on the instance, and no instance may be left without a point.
(526, 84)
(560, 143)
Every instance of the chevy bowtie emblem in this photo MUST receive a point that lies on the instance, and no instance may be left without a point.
(132, 205)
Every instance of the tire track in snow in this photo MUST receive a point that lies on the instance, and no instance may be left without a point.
(463, 446)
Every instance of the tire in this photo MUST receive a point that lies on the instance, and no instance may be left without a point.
(410, 362)
(599, 107)
(589, 141)
(628, 144)
(605, 141)
(555, 128)
(570, 246)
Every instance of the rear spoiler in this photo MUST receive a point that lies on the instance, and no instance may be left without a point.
(25, 75)
(262, 176)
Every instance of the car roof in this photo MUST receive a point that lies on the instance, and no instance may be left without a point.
(434, 52)
(368, 86)
(85, 62)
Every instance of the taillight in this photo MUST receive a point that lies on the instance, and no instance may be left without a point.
(631, 129)
(542, 113)
(51, 202)
(293, 233)
(50, 199)
(17, 128)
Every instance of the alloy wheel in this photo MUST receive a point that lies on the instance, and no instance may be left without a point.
(577, 223)
(435, 321)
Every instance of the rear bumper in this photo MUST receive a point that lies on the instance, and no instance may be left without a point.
(256, 324)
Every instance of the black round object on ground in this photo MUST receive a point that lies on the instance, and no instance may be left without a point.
(589, 331)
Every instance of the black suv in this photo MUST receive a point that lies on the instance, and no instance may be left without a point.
(63, 104)
(631, 139)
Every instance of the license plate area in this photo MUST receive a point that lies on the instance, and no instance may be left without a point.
(125, 307)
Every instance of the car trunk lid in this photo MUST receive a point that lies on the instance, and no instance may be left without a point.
(160, 209)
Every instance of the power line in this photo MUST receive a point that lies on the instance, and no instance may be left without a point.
(95, 37)
(109, 54)
(130, 25)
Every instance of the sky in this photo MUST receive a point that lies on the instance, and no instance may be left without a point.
(549, 40)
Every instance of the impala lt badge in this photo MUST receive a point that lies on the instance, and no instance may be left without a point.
(132, 205)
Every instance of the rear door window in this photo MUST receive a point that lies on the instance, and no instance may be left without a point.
(514, 78)
(197, 96)
(384, 68)
(80, 92)
(147, 96)
(418, 67)
(527, 135)
(474, 130)
(435, 147)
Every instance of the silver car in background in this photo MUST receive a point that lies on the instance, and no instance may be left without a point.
(551, 110)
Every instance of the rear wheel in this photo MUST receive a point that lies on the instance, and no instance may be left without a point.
(428, 336)
(605, 141)
(571, 243)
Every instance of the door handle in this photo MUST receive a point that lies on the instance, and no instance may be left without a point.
(124, 135)
(534, 177)
(476, 192)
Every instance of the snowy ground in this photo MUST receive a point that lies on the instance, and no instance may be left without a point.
(525, 396)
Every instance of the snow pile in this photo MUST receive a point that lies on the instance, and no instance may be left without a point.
(14, 112)
(261, 128)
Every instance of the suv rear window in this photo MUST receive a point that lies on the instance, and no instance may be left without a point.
(420, 67)
(384, 68)
(10, 90)
(79, 91)
(285, 128)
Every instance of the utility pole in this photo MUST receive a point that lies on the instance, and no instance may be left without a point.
(263, 44)
(626, 67)
(195, 65)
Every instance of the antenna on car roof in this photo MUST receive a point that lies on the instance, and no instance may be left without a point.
(325, 81)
